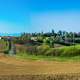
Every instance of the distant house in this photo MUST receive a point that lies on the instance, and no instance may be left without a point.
(0, 37)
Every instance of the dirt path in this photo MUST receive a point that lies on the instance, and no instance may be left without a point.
(11, 65)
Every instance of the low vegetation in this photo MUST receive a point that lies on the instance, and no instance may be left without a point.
(44, 52)
(3, 45)
(47, 45)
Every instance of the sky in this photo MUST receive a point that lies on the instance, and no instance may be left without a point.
(39, 15)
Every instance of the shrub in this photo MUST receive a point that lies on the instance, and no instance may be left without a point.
(41, 50)
(54, 52)
(47, 51)
(64, 51)
(20, 49)
(26, 49)
(70, 51)
(31, 50)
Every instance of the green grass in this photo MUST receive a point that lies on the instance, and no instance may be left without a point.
(47, 58)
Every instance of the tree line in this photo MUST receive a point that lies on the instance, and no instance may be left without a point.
(60, 37)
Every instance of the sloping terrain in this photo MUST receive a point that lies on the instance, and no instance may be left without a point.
(16, 69)
(11, 65)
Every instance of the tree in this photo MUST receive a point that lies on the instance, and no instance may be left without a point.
(51, 42)
(59, 33)
(53, 32)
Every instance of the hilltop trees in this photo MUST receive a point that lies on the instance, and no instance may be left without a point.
(46, 43)
(49, 38)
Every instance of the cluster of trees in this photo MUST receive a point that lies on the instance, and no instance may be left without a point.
(60, 37)
(10, 47)
(44, 43)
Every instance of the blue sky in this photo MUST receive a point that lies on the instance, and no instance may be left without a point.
(39, 15)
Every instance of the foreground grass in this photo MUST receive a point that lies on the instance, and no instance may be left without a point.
(48, 58)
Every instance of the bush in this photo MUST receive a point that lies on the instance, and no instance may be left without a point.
(41, 50)
(70, 51)
(64, 51)
(26, 49)
(49, 52)
(54, 52)
(31, 50)
(20, 49)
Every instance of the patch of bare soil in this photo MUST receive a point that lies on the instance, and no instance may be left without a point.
(11, 65)
(15, 69)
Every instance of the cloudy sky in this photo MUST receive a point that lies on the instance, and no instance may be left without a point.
(39, 15)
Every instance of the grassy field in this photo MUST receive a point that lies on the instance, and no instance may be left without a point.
(48, 58)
